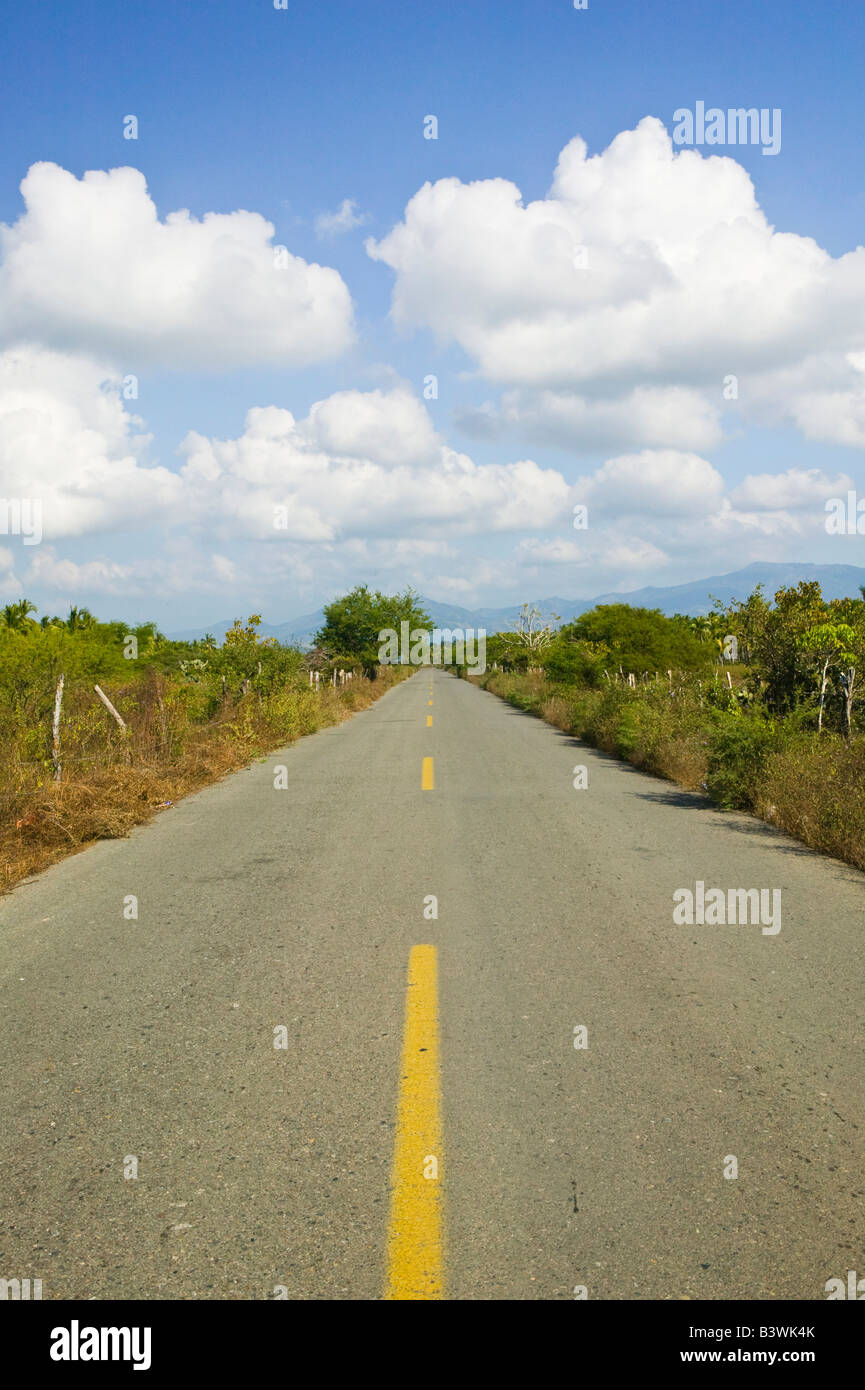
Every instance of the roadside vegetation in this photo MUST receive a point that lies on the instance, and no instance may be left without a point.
(191, 712)
(759, 705)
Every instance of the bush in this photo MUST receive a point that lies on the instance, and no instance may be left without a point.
(739, 748)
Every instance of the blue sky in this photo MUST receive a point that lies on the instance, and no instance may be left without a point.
(286, 114)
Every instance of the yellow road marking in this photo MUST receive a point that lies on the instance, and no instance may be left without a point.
(426, 775)
(429, 702)
(414, 1237)
(429, 721)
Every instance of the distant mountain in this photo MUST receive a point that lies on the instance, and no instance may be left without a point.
(695, 598)
(836, 581)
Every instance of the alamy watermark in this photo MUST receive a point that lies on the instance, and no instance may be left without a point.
(77, 1343)
(20, 1290)
(845, 518)
(713, 907)
(21, 516)
(732, 127)
(440, 647)
(854, 1287)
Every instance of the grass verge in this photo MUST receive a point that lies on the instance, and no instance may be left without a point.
(175, 744)
(811, 786)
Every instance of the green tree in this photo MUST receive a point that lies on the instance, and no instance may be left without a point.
(571, 660)
(831, 646)
(17, 615)
(771, 637)
(80, 619)
(353, 623)
(639, 639)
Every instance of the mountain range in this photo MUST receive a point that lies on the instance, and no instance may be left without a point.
(694, 598)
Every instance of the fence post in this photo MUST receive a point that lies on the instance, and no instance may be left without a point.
(108, 705)
(58, 701)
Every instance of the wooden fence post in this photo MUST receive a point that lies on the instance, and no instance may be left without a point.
(58, 701)
(108, 705)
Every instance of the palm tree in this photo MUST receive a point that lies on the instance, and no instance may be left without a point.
(17, 615)
(80, 619)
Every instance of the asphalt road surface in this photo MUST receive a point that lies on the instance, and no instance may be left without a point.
(264, 1047)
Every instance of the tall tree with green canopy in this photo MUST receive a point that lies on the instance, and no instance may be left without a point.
(353, 622)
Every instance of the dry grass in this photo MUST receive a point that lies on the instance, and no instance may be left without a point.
(113, 782)
(816, 791)
(557, 711)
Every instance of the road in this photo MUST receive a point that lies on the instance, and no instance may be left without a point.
(264, 1170)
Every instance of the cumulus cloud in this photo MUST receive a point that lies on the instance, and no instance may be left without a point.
(360, 464)
(361, 485)
(59, 575)
(662, 481)
(384, 427)
(678, 416)
(345, 219)
(66, 440)
(89, 267)
(644, 270)
(794, 489)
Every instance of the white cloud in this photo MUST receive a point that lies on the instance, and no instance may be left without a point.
(368, 488)
(89, 267)
(224, 569)
(662, 481)
(644, 272)
(66, 440)
(797, 488)
(386, 427)
(64, 576)
(362, 464)
(10, 587)
(677, 416)
(535, 551)
(603, 553)
(345, 219)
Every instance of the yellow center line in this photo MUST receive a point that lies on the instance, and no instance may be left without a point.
(429, 721)
(426, 775)
(414, 1237)
(429, 702)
